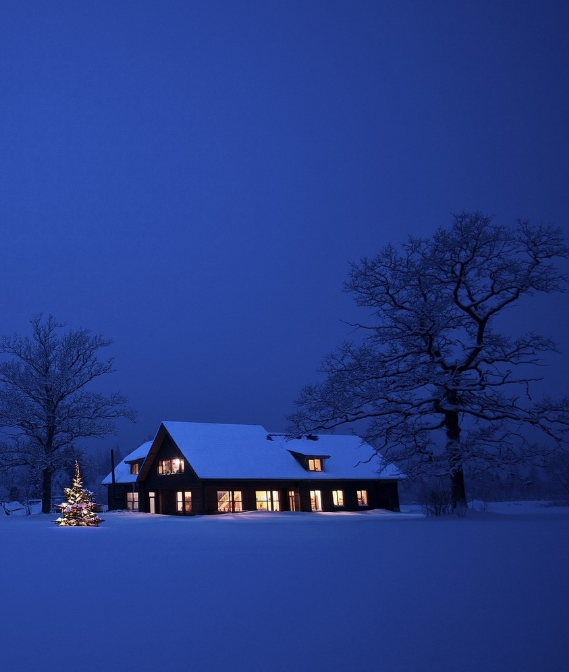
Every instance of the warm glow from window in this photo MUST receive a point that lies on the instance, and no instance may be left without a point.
(183, 502)
(338, 497)
(292, 500)
(229, 501)
(268, 500)
(132, 501)
(314, 464)
(316, 500)
(362, 497)
(169, 467)
(134, 468)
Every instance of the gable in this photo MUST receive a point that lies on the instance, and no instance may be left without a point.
(166, 458)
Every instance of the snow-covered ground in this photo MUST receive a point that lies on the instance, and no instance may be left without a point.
(281, 592)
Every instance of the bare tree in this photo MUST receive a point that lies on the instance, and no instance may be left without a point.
(44, 406)
(436, 386)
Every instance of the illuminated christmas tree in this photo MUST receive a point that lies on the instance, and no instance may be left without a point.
(79, 509)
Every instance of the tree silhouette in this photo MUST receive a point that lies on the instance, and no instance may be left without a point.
(44, 403)
(435, 384)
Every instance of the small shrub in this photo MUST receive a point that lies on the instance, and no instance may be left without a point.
(436, 500)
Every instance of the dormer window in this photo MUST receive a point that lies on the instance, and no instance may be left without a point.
(134, 468)
(309, 462)
(314, 464)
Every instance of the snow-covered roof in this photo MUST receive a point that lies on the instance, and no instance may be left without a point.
(251, 452)
(122, 469)
(245, 451)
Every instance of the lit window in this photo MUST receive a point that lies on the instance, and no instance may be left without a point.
(268, 500)
(314, 464)
(292, 506)
(168, 467)
(316, 500)
(183, 502)
(362, 497)
(132, 501)
(338, 497)
(134, 468)
(229, 501)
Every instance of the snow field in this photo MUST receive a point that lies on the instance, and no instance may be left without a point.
(281, 592)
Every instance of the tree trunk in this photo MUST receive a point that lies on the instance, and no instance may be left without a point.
(458, 489)
(47, 475)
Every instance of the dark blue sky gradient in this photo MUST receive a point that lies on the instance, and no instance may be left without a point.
(192, 178)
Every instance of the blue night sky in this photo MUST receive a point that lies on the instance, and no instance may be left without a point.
(193, 178)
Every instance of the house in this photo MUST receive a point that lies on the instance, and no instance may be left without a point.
(200, 468)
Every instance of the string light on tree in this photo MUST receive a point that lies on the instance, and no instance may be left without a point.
(79, 509)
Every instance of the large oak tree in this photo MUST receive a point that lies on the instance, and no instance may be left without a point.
(45, 407)
(438, 387)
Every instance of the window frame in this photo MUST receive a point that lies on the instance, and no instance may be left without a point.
(132, 501)
(315, 464)
(184, 501)
(338, 498)
(293, 504)
(170, 461)
(234, 501)
(316, 500)
(362, 497)
(272, 500)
